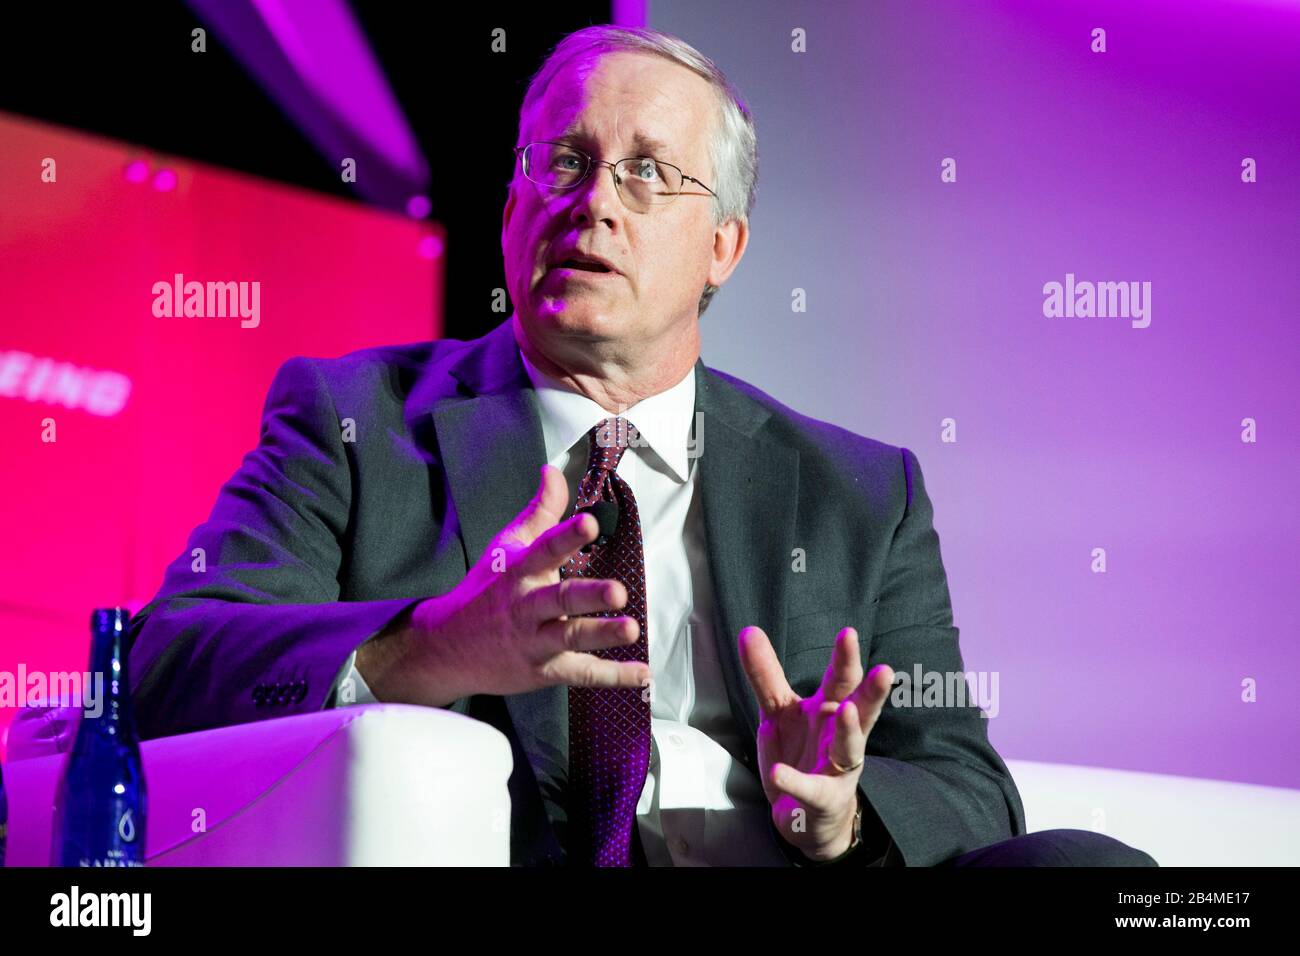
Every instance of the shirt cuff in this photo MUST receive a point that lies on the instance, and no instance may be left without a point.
(860, 856)
(350, 687)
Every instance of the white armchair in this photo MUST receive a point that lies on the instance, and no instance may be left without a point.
(1180, 821)
(382, 784)
(389, 784)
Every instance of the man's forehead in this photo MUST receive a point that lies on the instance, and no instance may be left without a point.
(583, 106)
(640, 140)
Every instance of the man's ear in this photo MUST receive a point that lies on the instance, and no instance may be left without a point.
(729, 242)
(506, 213)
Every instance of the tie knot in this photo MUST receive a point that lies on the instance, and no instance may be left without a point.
(609, 439)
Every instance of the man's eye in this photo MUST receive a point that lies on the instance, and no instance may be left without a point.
(573, 158)
(647, 170)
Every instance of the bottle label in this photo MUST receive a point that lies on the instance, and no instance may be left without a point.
(110, 862)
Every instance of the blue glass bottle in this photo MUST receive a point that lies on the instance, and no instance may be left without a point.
(100, 805)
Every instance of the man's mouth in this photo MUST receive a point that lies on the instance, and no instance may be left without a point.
(584, 265)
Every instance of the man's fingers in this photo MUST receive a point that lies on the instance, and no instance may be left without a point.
(813, 790)
(574, 596)
(545, 509)
(763, 670)
(844, 671)
(870, 696)
(554, 546)
(588, 634)
(849, 743)
(585, 670)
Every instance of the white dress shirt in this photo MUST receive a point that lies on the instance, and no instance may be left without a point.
(701, 805)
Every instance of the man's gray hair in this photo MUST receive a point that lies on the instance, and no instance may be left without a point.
(733, 149)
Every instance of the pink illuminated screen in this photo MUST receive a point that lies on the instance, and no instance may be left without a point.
(121, 417)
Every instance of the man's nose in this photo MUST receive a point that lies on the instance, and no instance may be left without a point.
(598, 198)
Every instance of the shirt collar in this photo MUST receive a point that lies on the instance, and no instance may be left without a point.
(663, 420)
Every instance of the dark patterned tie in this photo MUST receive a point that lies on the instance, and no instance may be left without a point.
(609, 728)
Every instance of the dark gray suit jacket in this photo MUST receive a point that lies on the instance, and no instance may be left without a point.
(317, 542)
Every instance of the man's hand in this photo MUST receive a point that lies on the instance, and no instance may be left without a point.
(511, 625)
(813, 803)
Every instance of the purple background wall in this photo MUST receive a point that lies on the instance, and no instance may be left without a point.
(925, 301)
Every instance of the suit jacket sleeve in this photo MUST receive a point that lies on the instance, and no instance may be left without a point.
(937, 786)
(251, 626)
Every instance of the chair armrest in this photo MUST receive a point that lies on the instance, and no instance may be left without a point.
(1181, 821)
(373, 785)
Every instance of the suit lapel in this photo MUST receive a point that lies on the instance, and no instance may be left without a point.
(749, 490)
(490, 439)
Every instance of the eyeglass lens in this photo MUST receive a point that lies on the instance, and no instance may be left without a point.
(641, 182)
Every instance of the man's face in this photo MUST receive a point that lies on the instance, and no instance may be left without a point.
(663, 257)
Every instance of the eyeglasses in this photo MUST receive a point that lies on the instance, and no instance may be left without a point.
(640, 181)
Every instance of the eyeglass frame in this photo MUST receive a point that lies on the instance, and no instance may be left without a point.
(593, 162)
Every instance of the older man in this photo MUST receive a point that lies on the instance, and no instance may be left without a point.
(661, 584)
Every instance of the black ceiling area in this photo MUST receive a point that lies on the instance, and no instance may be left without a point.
(127, 71)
